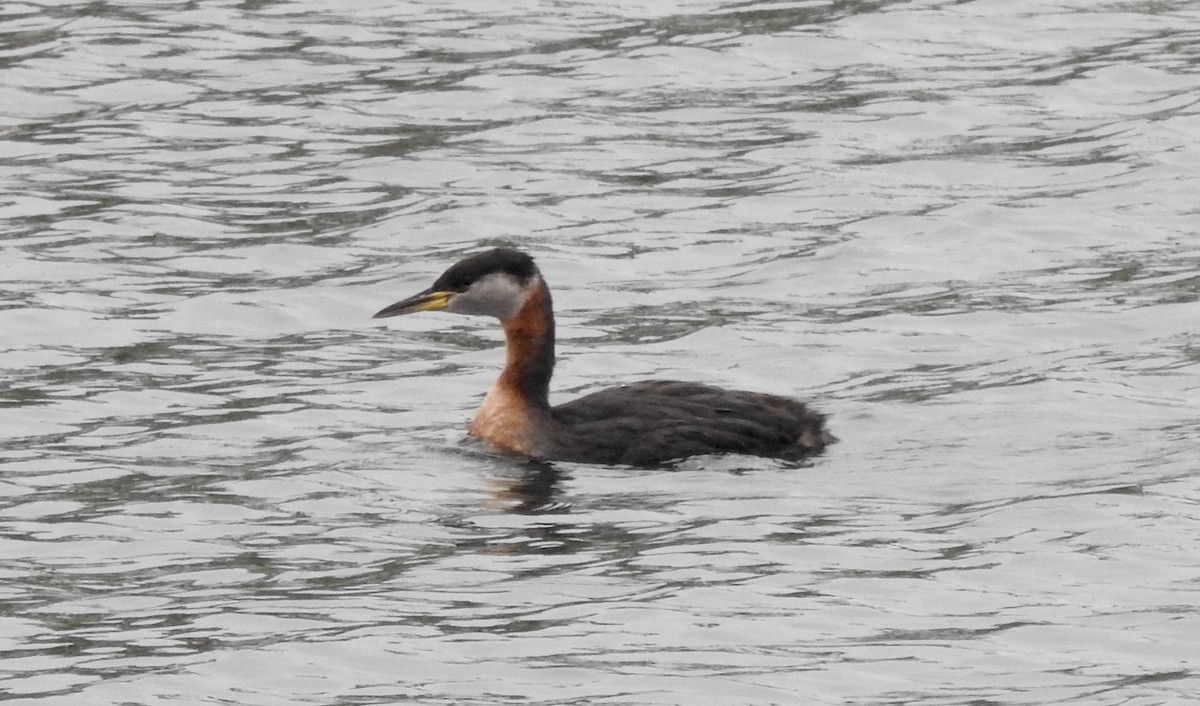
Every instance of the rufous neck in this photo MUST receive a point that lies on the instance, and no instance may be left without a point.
(529, 336)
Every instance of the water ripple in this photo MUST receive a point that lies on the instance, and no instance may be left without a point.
(965, 230)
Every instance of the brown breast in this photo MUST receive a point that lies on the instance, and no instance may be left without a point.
(504, 419)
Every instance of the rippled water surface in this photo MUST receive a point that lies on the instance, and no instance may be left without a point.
(967, 230)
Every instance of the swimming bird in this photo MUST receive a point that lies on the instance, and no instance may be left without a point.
(640, 424)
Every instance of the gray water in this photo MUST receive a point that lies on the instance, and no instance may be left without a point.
(968, 231)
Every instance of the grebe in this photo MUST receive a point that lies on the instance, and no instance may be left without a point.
(640, 424)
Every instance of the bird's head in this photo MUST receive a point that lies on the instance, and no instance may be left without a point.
(493, 283)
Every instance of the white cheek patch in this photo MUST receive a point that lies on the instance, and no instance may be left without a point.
(499, 295)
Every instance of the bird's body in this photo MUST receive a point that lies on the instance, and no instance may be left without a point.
(641, 424)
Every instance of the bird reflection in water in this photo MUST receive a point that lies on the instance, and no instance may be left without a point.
(533, 490)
